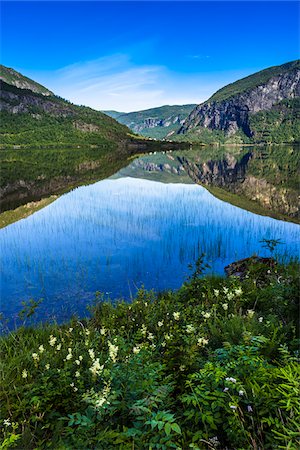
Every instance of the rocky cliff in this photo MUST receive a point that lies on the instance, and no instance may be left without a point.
(230, 109)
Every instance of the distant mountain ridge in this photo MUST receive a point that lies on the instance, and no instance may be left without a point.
(262, 107)
(154, 122)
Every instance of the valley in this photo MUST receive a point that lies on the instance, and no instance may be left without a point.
(150, 268)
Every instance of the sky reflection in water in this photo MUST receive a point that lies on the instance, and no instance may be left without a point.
(117, 234)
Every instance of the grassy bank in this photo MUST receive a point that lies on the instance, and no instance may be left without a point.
(212, 366)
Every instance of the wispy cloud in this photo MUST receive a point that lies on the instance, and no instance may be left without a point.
(201, 57)
(115, 82)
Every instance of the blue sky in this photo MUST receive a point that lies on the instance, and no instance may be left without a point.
(136, 55)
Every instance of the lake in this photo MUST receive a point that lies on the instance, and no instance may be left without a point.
(141, 227)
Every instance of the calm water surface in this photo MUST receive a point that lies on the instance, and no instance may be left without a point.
(119, 234)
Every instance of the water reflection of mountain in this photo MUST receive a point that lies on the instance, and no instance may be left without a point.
(162, 167)
(263, 176)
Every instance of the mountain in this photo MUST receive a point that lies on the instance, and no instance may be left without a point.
(113, 114)
(263, 107)
(11, 76)
(32, 115)
(155, 122)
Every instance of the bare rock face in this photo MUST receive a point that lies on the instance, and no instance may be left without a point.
(25, 102)
(232, 113)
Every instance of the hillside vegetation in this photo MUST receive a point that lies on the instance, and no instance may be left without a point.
(212, 366)
(11, 76)
(30, 119)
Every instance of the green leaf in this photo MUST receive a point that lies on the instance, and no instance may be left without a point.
(176, 428)
(168, 428)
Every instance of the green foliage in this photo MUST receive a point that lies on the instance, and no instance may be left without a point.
(210, 366)
(279, 125)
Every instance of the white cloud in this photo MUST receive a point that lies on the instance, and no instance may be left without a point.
(114, 82)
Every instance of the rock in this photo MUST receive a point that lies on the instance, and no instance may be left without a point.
(240, 268)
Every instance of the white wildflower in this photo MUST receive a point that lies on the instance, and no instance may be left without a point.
(230, 295)
(163, 344)
(232, 406)
(150, 336)
(144, 330)
(176, 315)
(103, 331)
(41, 349)
(226, 389)
(202, 342)
(77, 362)
(225, 306)
(103, 397)
(52, 340)
(58, 347)
(6, 422)
(113, 351)
(136, 349)
(71, 329)
(206, 315)
(47, 366)
(92, 353)
(77, 374)
(80, 358)
(160, 324)
(250, 313)
(87, 332)
(233, 380)
(241, 393)
(96, 368)
(260, 319)
(238, 291)
(225, 290)
(24, 374)
(216, 292)
(35, 357)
